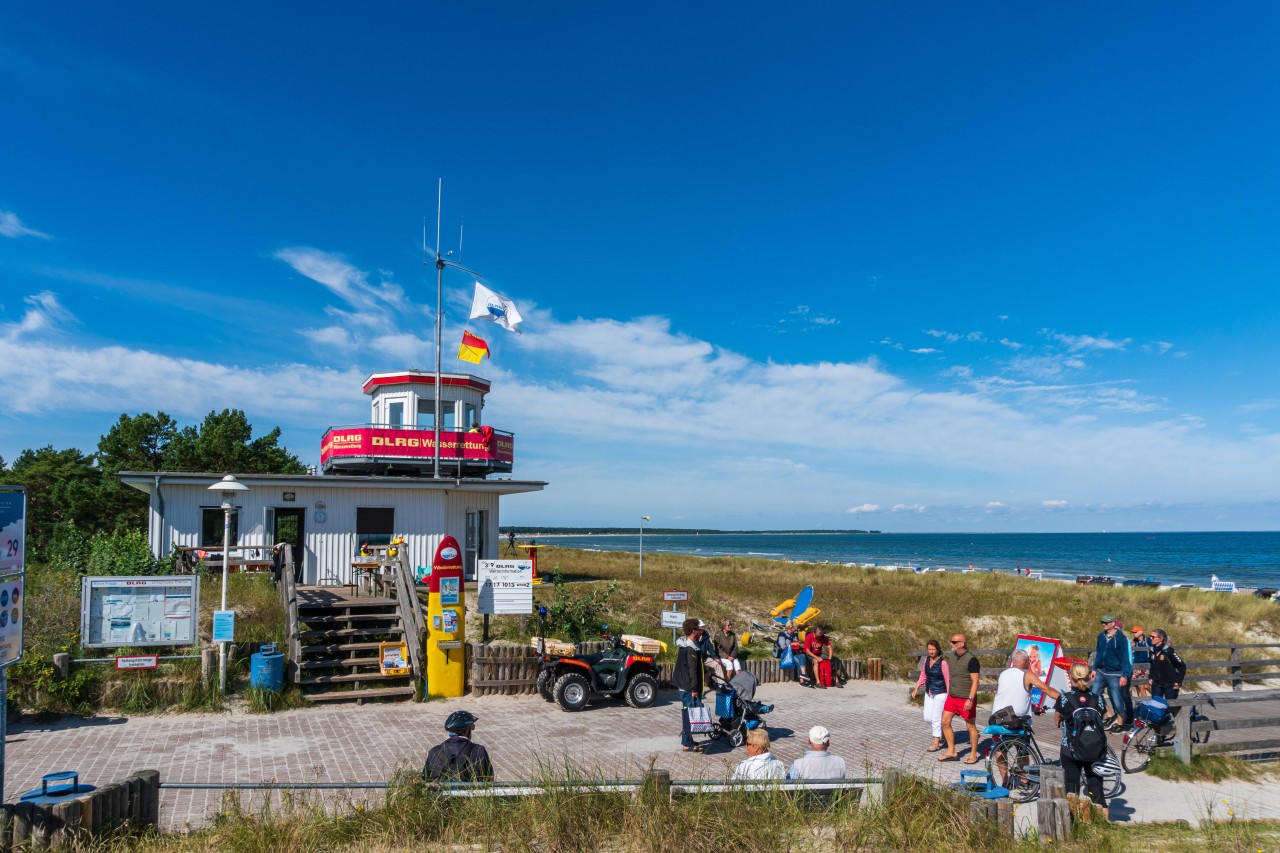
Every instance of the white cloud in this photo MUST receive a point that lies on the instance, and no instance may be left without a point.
(1082, 343)
(1054, 504)
(1013, 345)
(44, 314)
(952, 337)
(11, 226)
(926, 351)
(908, 508)
(863, 508)
(995, 504)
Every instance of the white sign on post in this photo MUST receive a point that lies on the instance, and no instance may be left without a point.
(675, 595)
(505, 586)
(672, 618)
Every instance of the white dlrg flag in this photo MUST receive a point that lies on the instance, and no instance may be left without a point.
(488, 305)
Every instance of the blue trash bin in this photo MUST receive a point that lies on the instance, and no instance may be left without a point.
(56, 787)
(266, 669)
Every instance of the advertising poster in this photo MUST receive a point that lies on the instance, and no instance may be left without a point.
(13, 555)
(1042, 652)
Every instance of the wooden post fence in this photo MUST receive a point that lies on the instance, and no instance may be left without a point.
(135, 802)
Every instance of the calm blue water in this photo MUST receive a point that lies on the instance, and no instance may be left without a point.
(1249, 559)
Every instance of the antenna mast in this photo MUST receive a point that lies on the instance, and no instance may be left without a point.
(440, 264)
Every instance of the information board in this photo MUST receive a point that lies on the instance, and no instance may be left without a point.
(139, 611)
(506, 586)
(672, 618)
(13, 561)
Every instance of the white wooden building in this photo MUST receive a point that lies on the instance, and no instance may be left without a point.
(358, 500)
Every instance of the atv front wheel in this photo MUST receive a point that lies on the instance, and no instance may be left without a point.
(642, 690)
(545, 685)
(572, 692)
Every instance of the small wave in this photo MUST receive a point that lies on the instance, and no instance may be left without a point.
(765, 554)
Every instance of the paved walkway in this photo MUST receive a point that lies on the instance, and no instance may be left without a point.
(871, 725)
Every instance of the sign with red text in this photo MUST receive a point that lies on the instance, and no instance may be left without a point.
(675, 595)
(415, 444)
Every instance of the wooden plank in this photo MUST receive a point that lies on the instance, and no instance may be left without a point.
(23, 817)
(1228, 725)
(1182, 737)
(1234, 665)
(1238, 747)
(1227, 698)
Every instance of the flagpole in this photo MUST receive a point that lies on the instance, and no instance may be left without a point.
(441, 263)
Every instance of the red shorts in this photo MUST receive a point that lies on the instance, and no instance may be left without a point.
(955, 705)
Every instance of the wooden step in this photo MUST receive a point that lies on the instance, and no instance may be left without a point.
(357, 695)
(307, 602)
(348, 678)
(330, 619)
(348, 632)
(332, 663)
(339, 647)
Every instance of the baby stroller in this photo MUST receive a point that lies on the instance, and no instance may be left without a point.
(736, 710)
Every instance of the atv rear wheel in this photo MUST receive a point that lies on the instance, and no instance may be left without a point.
(572, 692)
(642, 690)
(546, 686)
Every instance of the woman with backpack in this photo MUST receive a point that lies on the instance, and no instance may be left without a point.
(1084, 736)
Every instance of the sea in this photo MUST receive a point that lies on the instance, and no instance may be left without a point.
(1248, 559)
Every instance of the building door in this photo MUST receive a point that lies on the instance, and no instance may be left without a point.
(289, 527)
(477, 523)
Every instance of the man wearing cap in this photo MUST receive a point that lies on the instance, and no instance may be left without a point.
(818, 762)
(1113, 667)
(458, 759)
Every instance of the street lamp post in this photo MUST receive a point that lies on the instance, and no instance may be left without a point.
(228, 487)
(643, 519)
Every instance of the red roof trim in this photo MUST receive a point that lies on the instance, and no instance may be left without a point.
(426, 379)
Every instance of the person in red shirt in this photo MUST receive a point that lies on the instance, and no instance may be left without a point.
(817, 648)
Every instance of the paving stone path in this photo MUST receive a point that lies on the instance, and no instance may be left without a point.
(872, 726)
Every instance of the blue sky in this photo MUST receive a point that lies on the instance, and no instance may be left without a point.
(891, 266)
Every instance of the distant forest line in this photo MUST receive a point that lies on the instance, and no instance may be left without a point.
(525, 530)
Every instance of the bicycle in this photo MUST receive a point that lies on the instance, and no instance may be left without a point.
(1148, 734)
(1016, 757)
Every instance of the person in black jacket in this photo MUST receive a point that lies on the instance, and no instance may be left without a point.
(458, 758)
(1167, 668)
(687, 678)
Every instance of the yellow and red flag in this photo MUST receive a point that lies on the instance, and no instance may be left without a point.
(473, 349)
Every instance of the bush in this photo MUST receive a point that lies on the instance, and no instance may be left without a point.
(578, 617)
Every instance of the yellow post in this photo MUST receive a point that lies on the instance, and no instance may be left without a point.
(446, 624)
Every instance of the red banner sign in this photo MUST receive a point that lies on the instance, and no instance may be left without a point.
(416, 444)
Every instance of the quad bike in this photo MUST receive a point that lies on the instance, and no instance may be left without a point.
(573, 680)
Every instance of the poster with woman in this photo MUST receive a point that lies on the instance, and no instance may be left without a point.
(1041, 652)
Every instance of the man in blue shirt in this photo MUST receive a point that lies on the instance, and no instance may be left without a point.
(1113, 667)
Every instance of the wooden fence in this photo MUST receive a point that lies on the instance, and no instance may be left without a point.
(135, 802)
(507, 669)
(1184, 728)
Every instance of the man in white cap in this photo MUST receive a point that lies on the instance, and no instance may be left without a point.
(818, 762)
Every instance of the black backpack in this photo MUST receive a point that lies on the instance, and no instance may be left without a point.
(1086, 733)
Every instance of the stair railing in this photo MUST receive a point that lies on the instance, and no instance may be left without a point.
(406, 595)
(288, 589)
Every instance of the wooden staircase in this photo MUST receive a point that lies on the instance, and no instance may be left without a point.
(338, 636)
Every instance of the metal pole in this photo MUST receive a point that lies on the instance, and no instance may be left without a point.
(226, 562)
(4, 722)
(642, 546)
(439, 323)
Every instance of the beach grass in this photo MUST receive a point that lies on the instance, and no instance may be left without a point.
(889, 615)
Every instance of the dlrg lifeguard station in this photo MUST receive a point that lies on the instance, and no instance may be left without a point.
(376, 484)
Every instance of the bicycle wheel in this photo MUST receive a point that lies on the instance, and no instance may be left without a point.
(1015, 764)
(1136, 754)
